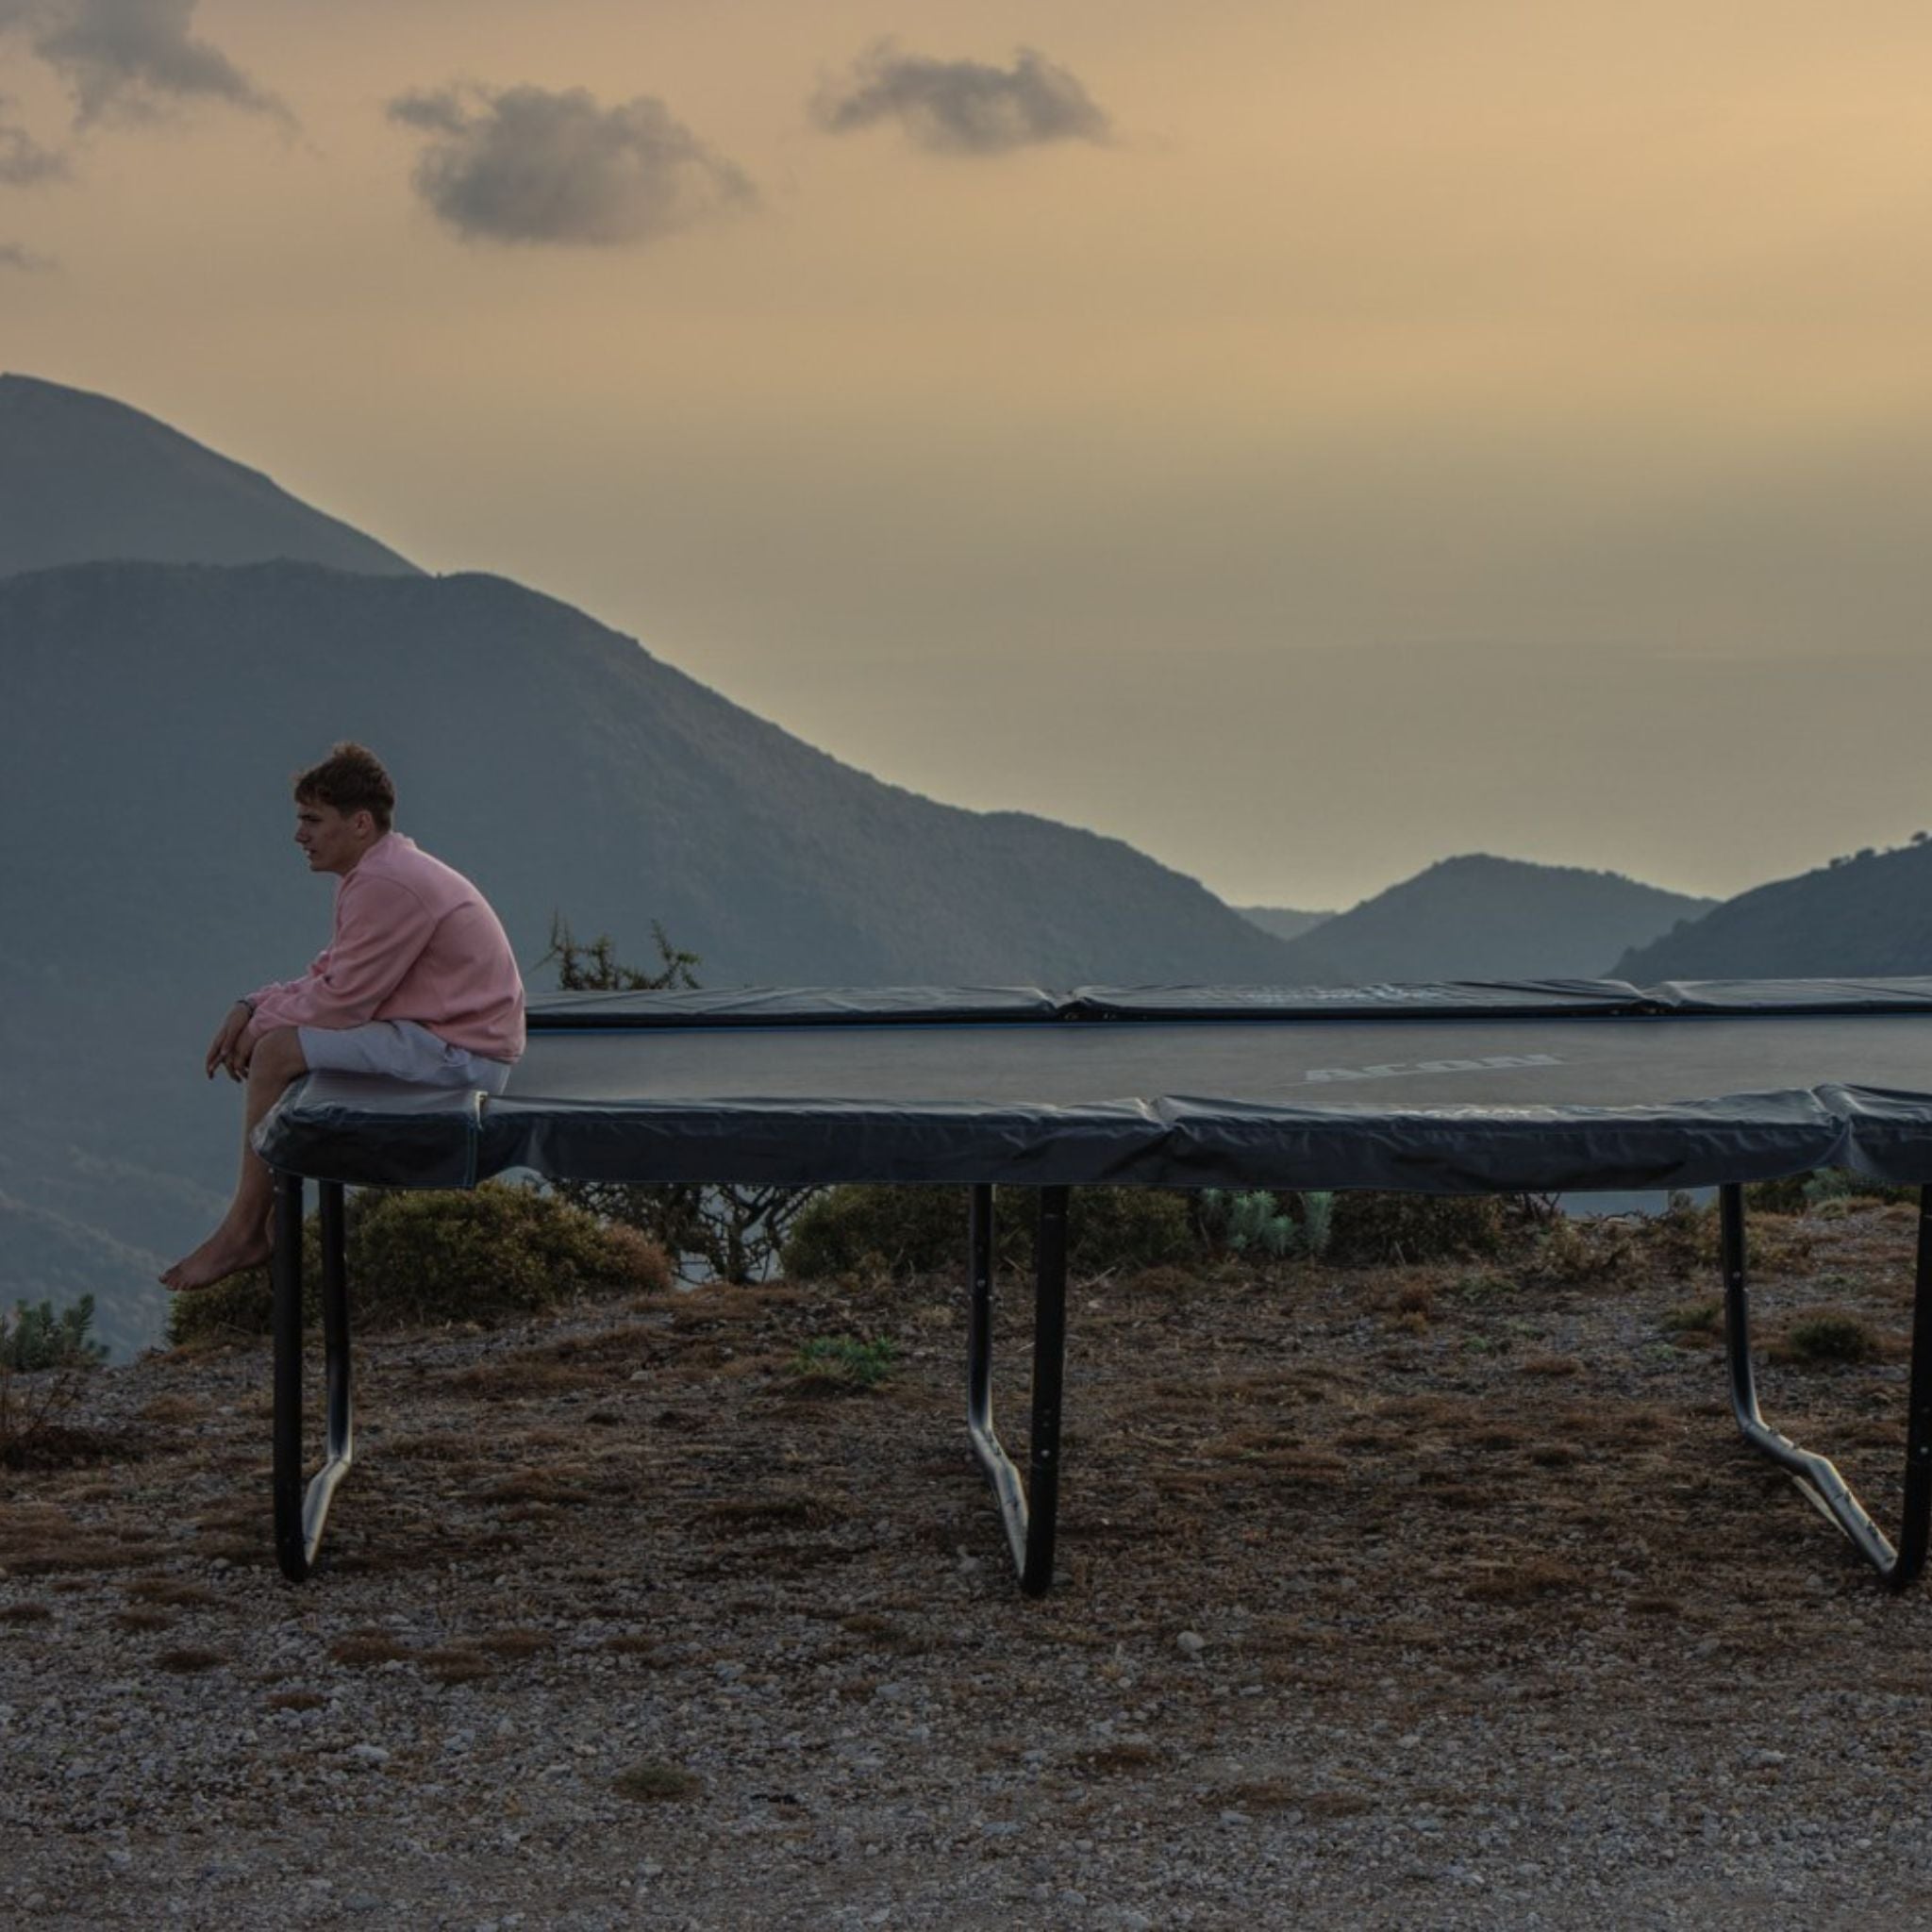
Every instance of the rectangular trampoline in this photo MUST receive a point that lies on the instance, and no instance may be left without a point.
(1533, 1086)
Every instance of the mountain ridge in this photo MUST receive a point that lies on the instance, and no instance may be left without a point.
(86, 478)
(1476, 916)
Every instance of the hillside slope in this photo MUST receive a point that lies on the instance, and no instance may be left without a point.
(1483, 918)
(83, 478)
(1869, 917)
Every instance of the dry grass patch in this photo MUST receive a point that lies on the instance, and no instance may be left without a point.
(657, 1784)
(649, 1650)
(455, 1665)
(170, 1409)
(557, 1486)
(362, 1648)
(514, 1643)
(512, 1377)
(449, 1446)
(773, 1512)
(1119, 1760)
(1524, 1582)
(25, 1613)
(168, 1589)
(50, 1559)
(185, 1663)
(1335, 1804)
(144, 1619)
(295, 1700)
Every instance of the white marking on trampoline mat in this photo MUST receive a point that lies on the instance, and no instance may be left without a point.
(1394, 1069)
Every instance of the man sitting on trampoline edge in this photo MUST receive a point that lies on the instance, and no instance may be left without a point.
(417, 981)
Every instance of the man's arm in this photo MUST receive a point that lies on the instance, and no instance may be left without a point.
(382, 929)
(224, 1051)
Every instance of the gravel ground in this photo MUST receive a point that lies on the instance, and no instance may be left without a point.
(1422, 1598)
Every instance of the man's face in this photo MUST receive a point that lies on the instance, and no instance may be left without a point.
(334, 840)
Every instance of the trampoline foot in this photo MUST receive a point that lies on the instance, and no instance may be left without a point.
(1817, 1479)
(1029, 1510)
(302, 1508)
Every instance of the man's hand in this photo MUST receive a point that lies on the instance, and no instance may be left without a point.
(231, 1046)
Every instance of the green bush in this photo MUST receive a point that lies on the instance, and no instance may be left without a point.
(1262, 1225)
(882, 1230)
(38, 1337)
(1376, 1229)
(1793, 1193)
(414, 1258)
(1784, 1195)
(1829, 1336)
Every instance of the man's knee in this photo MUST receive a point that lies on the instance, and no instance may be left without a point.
(277, 1055)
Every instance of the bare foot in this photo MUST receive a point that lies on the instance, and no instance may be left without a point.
(222, 1254)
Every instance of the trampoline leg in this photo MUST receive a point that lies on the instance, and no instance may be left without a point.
(1818, 1481)
(1030, 1511)
(301, 1509)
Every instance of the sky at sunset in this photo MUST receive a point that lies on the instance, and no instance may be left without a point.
(1303, 439)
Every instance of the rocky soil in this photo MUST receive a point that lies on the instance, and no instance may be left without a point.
(1439, 1598)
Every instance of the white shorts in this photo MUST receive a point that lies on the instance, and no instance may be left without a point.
(402, 1050)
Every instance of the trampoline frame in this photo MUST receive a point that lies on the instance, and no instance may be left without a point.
(1029, 1508)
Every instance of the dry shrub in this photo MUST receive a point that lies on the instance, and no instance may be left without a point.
(1570, 1249)
(1387, 1231)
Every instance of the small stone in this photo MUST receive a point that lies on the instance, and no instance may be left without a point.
(1191, 1643)
(368, 1753)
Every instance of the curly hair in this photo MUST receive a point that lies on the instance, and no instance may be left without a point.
(350, 780)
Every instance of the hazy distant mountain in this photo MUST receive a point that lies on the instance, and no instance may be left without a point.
(1282, 920)
(154, 714)
(1482, 918)
(1863, 918)
(85, 478)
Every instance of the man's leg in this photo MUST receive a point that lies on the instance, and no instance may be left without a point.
(242, 1239)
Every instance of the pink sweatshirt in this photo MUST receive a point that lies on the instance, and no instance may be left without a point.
(413, 940)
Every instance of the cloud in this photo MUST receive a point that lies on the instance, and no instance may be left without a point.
(23, 159)
(128, 59)
(964, 106)
(524, 165)
(12, 255)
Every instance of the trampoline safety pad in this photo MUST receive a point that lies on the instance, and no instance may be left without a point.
(1451, 1089)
